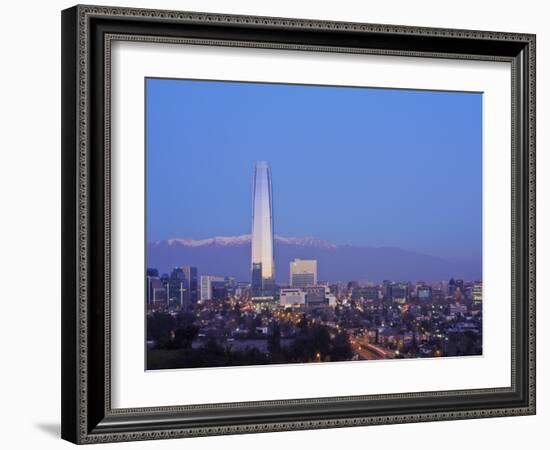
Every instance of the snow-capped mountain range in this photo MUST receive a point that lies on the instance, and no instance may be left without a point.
(246, 239)
(230, 256)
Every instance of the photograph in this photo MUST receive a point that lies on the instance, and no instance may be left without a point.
(295, 223)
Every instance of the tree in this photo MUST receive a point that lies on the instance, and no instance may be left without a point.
(183, 336)
(319, 342)
(185, 331)
(303, 324)
(274, 341)
(341, 348)
(257, 322)
(469, 342)
(160, 326)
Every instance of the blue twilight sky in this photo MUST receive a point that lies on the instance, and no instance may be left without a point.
(373, 167)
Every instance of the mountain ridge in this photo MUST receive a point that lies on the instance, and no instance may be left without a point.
(230, 256)
(244, 239)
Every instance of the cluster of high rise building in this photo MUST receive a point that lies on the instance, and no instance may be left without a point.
(303, 287)
(401, 292)
(183, 287)
(390, 319)
(180, 287)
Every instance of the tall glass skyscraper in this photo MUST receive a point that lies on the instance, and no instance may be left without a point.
(262, 232)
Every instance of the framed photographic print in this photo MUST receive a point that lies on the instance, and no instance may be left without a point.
(278, 224)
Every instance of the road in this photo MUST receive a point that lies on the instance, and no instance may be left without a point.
(367, 351)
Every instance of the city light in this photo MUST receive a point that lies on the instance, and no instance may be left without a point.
(217, 320)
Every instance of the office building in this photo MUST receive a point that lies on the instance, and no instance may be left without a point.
(368, 293)
(386, 286)
(156, 292)
(257, 284)
(220, 290)
(477, 293)
(192, 283)
(182, 287)
(399, 292)
(316, 296)
(292, 296)
(303, 273)
(206, 286)
(262, 263)
(424, 292)
(177, 287)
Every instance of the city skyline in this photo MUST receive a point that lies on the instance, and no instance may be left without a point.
(366, 167)
(262, 274)
(360, 194)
